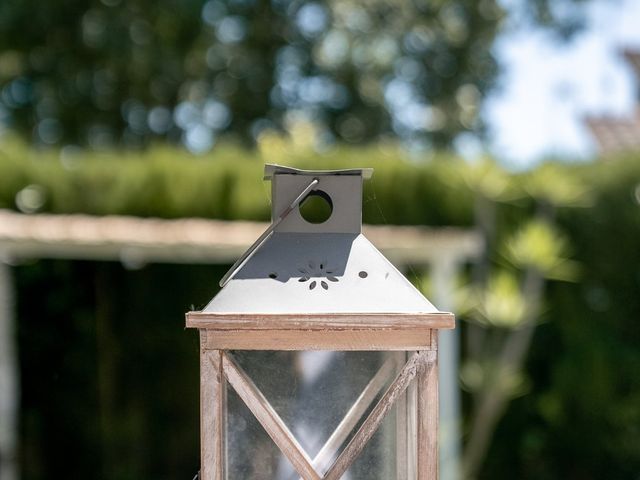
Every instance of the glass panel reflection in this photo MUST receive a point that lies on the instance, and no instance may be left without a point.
(313, 392)
(251, 454)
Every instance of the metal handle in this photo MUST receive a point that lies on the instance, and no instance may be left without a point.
(266, 234)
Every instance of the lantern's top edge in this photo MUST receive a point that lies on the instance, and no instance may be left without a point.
(320, 321)
(271, 169)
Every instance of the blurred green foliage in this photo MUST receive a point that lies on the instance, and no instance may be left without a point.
(581, 419)
(227, 184)
(536, 245)
(116, 72)
(109, 373)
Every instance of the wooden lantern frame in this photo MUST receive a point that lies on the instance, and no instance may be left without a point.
(416, 333)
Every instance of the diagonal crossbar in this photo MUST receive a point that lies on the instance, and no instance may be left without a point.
(268, 418)
(353, 416)
(373, 421)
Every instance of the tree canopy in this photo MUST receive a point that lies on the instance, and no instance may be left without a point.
(99, 73)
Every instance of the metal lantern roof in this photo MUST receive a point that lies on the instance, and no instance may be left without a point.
(298, 267)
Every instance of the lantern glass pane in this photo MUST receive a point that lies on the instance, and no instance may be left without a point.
(378, 459)
(391, 452)
(313, 392)
(251, 454)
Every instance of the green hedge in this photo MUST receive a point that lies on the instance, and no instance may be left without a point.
(167, 182)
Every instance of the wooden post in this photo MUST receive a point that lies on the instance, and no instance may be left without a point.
(428, 417)
(212, 412)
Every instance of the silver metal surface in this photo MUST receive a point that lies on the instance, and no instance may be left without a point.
(345, 192)
(328, 267)
(267, 233)
(319, 273)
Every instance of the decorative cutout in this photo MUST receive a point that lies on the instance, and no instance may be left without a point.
(322, 273)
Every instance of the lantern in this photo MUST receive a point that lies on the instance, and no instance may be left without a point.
(318, 358)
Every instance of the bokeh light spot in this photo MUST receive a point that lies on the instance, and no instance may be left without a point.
(30, 199)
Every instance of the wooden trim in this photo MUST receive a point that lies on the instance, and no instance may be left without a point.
(319, 321)
(212, 415)
(371, 424)
(367, 340)
(268, 418)
(428, 418)
(353, 416)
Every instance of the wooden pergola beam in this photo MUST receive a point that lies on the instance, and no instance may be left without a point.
(152, 240)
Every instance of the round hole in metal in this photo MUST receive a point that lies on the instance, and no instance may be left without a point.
(273, 275)
(316, 207)
(363, 274)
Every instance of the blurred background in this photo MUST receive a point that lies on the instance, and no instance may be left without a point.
(515, 121)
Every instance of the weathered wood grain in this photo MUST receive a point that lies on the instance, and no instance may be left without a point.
(427, 384)
(364, 340)
(319, 321)
(212, 414)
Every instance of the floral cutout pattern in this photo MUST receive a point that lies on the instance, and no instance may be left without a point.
(317, 274)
